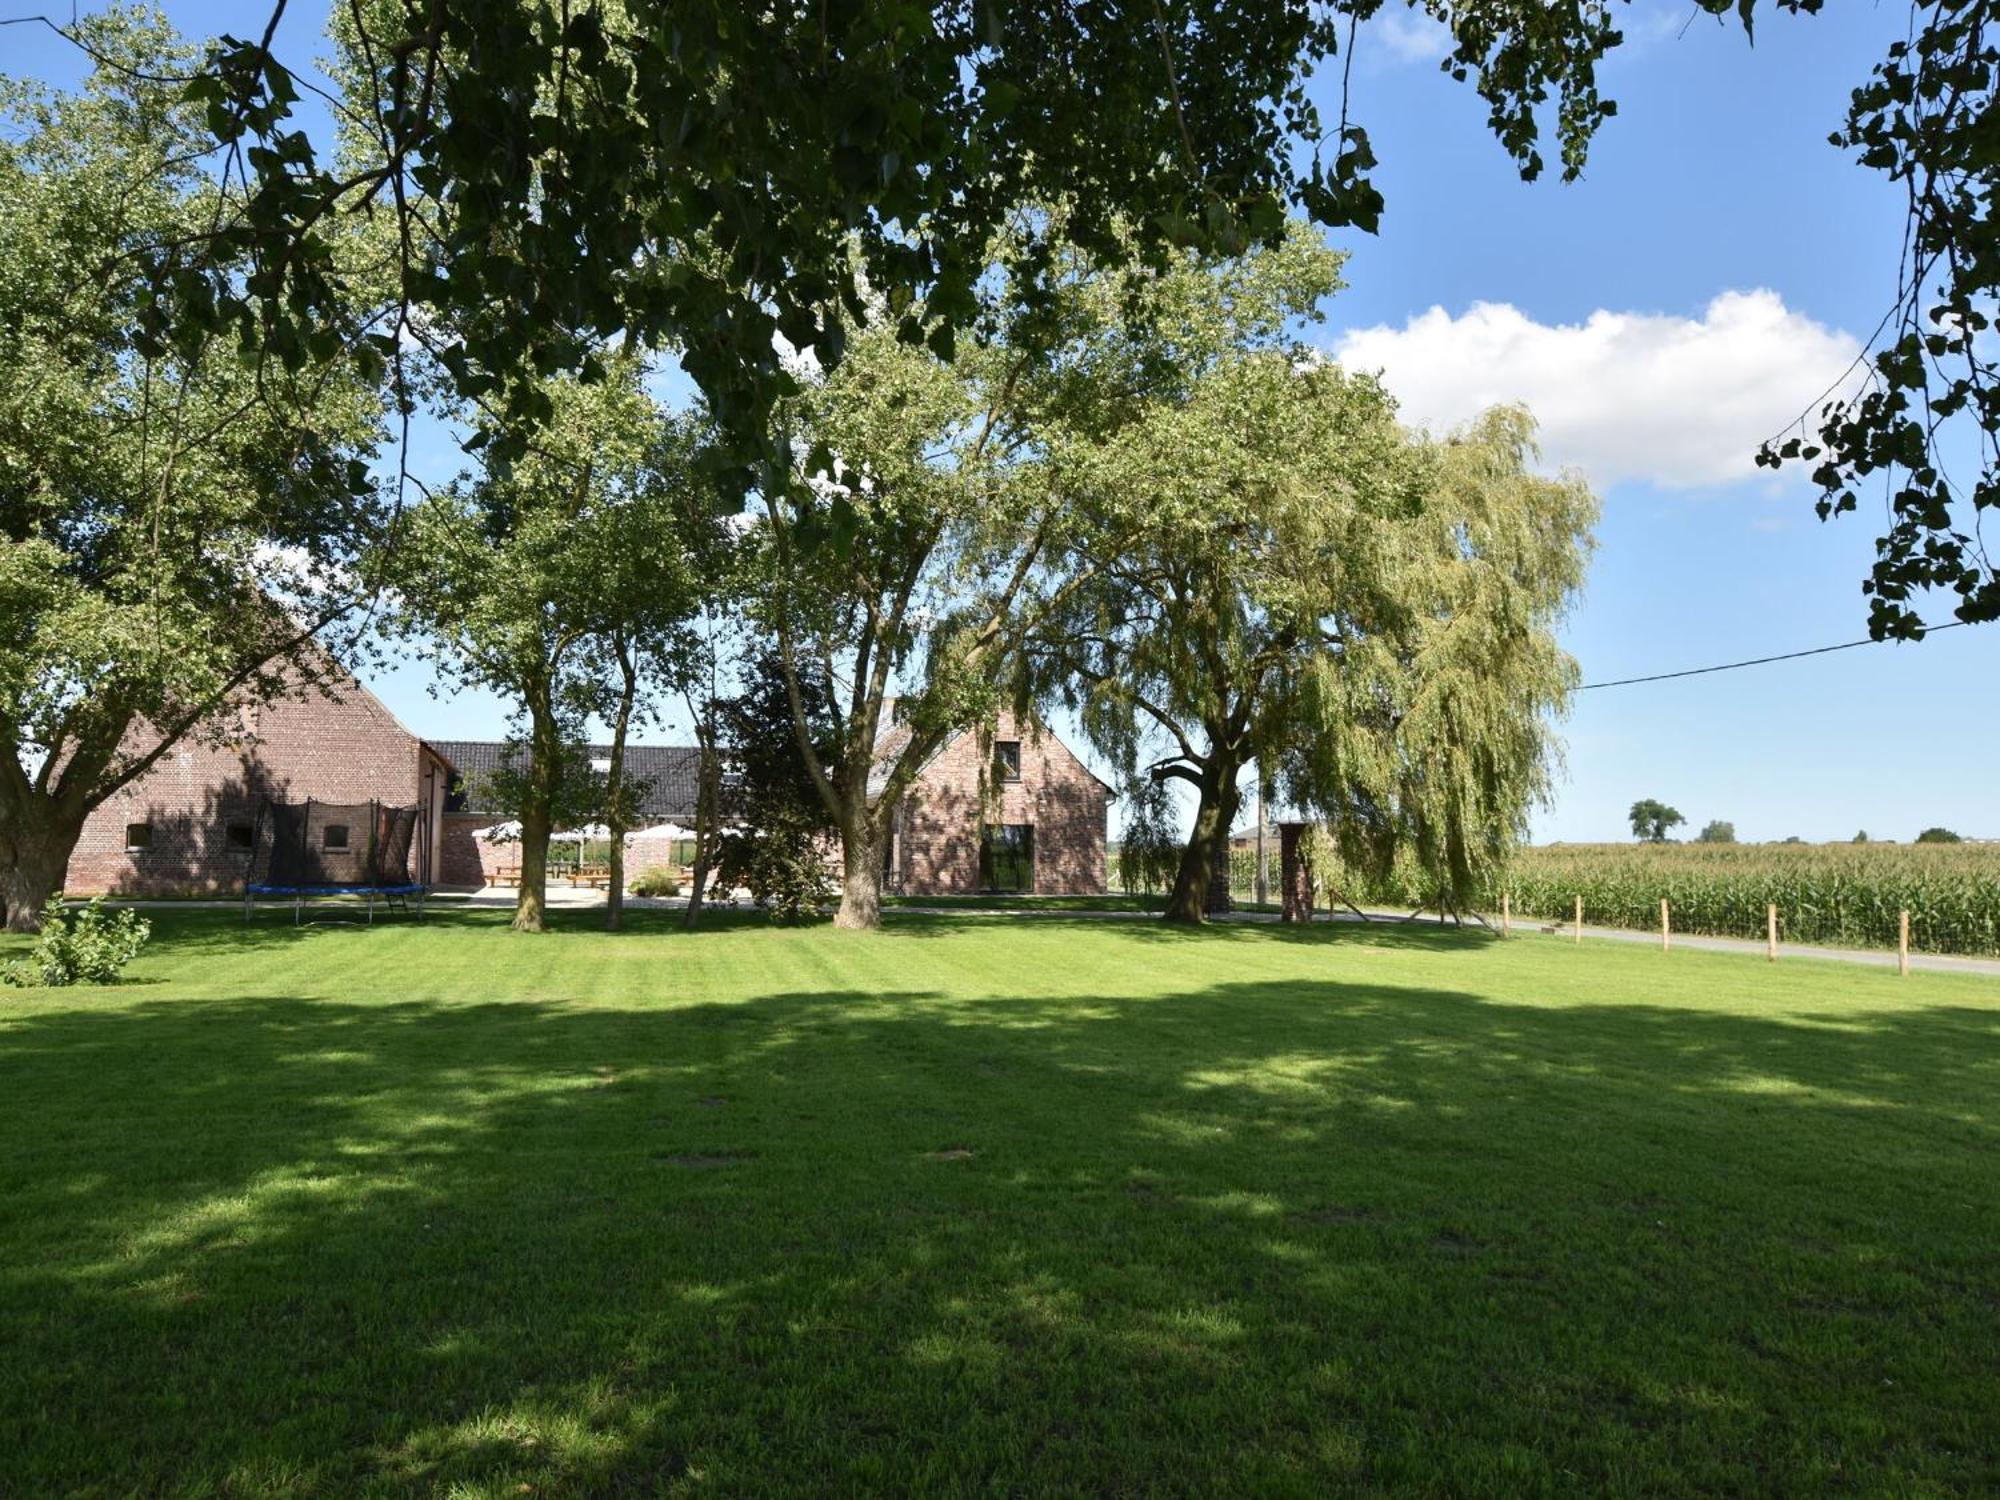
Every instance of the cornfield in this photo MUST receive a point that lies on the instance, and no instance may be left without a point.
(1846, 895)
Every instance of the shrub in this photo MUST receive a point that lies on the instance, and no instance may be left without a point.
(654, 881)
(782, 864)
(86, 948)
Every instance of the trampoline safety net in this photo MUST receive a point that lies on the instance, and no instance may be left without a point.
(333, 846)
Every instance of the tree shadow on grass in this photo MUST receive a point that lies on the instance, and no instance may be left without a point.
(1284, 1236)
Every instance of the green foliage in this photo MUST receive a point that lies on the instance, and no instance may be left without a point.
(655, 881)
(856, 161)
(779, 827)
(175, 523)
(743, 173)
(521, 576)
(1272, 570)
(84, 948)
(1720, 832)
(564, 581)
(1151, 847)
(928, 538)
(573, 797)
(1929, 392)
(1653, 819)
(1938, 836)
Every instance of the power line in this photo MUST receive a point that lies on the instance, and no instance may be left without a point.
(1756, 661)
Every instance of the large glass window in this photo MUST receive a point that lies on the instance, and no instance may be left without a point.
(1007, 857)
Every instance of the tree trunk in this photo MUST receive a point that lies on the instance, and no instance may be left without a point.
(545, 770)
(27, 882)
(531, 902)
(1207, 842)
(861, 877)
(614, 884)
(34, 863)
(707, 809)
(615, 818)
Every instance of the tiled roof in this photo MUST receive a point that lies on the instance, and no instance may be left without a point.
(670, 772)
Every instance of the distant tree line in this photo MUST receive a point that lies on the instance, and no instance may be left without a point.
(1652, 821)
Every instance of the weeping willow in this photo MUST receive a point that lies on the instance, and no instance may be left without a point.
(1366, 614)
(1427, 737)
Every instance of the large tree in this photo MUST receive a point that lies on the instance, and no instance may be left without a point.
(1652, 820)
(1435, 739)
(178, 528)
(560, 579)
(1307, 588)
(898, 590)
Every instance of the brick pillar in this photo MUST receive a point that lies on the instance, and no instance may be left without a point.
(1294, 880)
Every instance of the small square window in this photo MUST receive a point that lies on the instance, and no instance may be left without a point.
(240, 837)
(1007, 759)
(138, 836)
(333, 836)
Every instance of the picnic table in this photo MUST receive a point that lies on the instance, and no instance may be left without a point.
(596, 877)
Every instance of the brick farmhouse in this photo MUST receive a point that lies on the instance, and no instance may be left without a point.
(1033, 822)
(187, 825)
(1015, 810)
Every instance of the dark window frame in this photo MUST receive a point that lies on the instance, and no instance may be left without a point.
(143, 843)
(239, 836)
(328, 841)
(1007, 760)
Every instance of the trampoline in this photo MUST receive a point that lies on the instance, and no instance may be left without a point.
(311, 851)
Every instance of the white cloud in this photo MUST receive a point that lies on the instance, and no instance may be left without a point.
(1672, 401)
(1410, 35)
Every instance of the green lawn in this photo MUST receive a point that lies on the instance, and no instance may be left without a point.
(1001, 902)
(1049, 1207)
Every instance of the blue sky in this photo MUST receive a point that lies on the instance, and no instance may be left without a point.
(1661, 316)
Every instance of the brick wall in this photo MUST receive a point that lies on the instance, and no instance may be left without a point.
(347, 748)
(467, 859)
(943, 813)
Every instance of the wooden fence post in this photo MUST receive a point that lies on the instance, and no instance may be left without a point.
(1506, 917)
(1771, 930)
(1666, 928)
(1579, 919)
(1903, 943)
